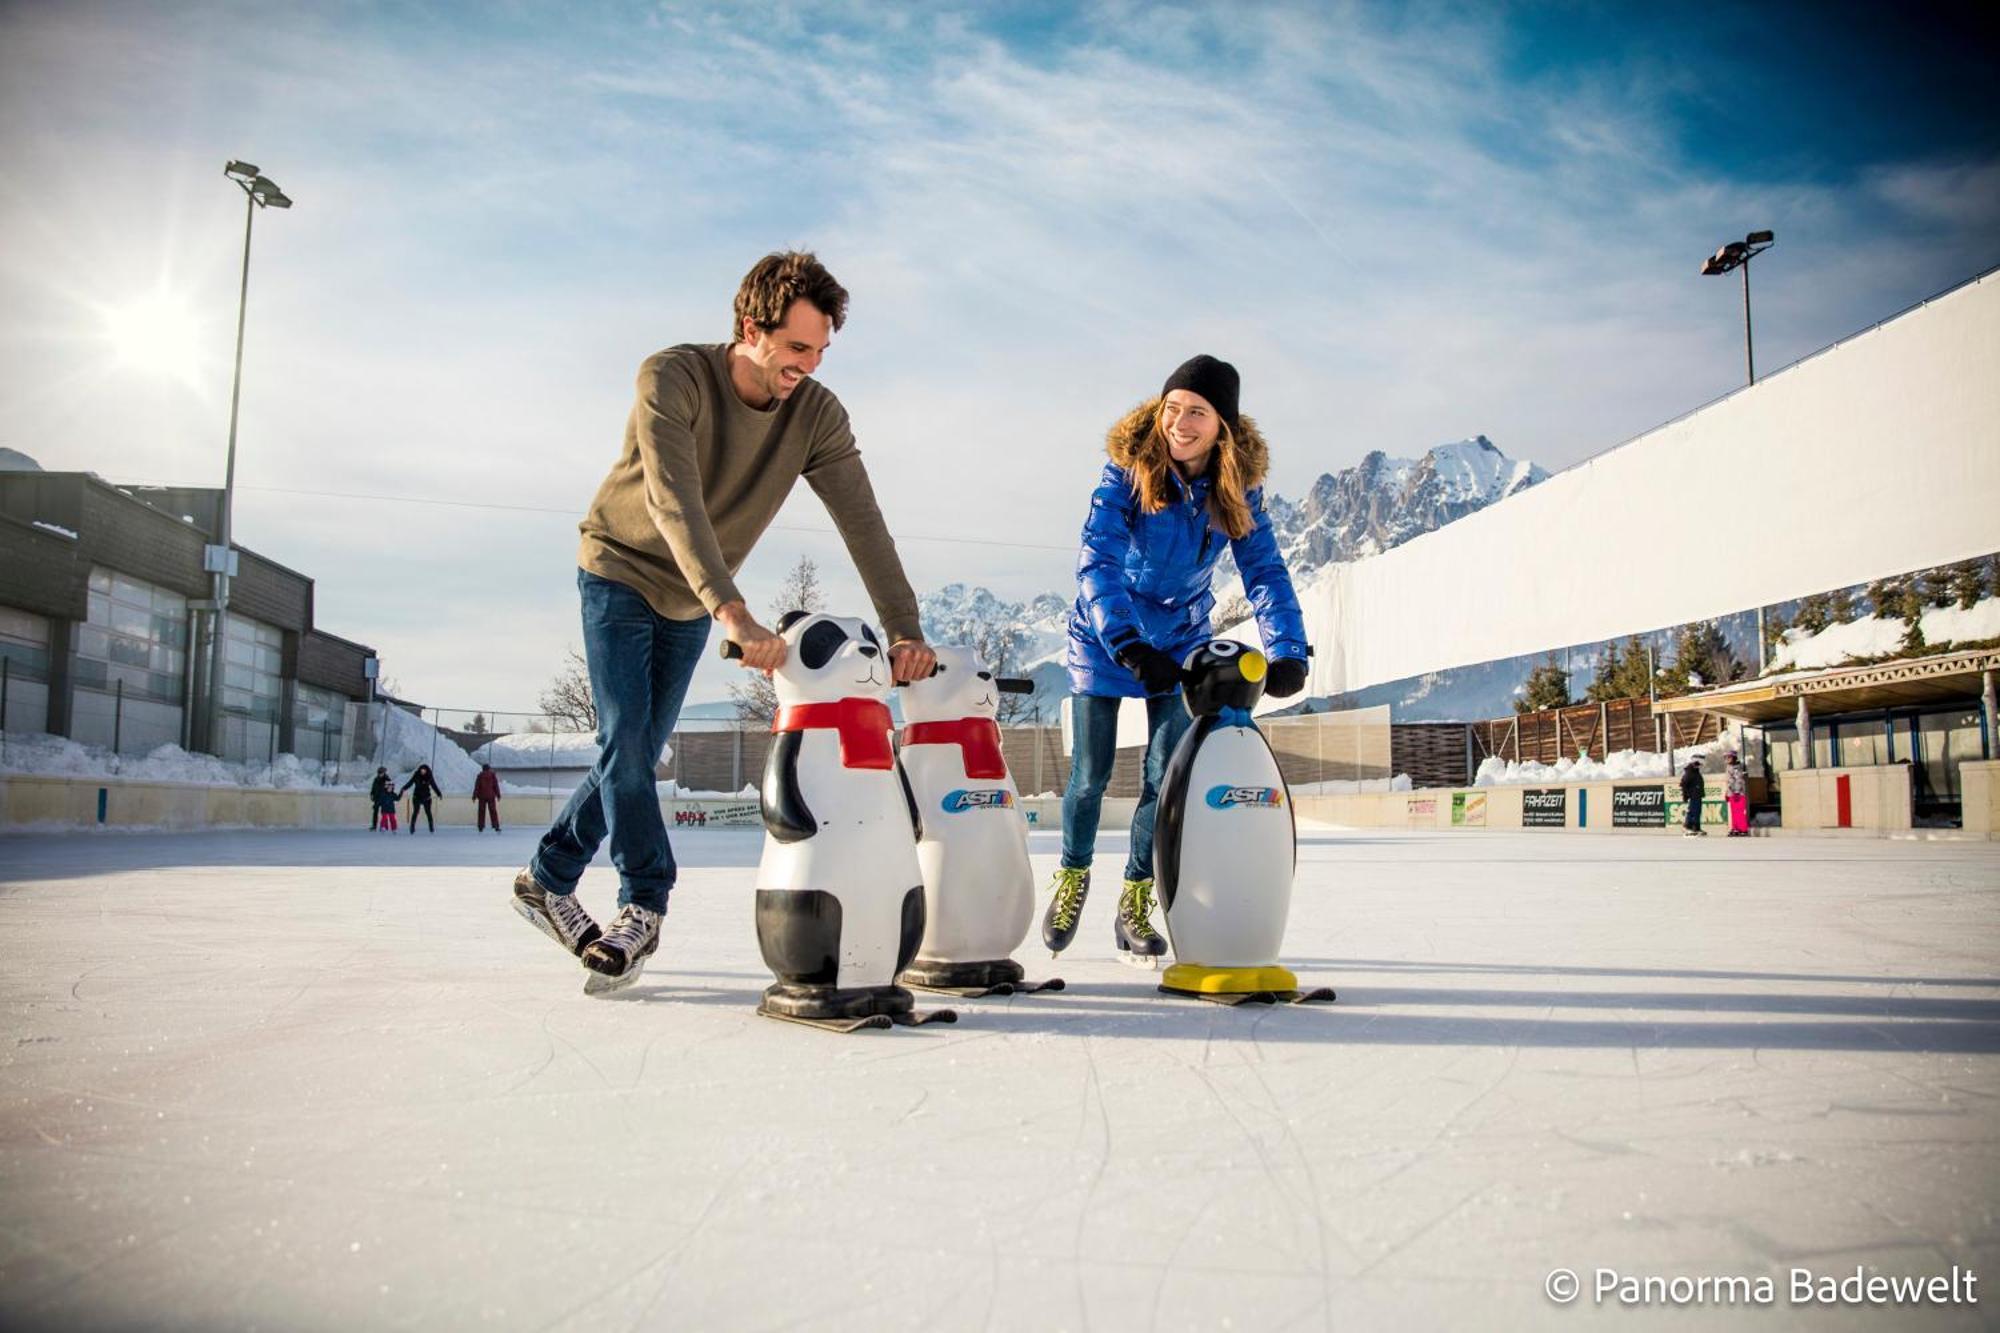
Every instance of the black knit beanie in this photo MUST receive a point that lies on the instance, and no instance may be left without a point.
(1214, 380)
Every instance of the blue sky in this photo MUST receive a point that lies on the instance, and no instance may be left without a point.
(1406, 224)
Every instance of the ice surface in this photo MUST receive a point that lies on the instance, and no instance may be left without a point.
(329, 1081)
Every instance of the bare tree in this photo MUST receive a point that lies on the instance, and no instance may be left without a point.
(568, 698)
(756, 698)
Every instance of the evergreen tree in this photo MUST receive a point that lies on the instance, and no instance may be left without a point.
(1965, 583)
(1702, 660)
(478, 724)
(1625, 675)
(1774, 631)
(1547, 686)
(1815, 612)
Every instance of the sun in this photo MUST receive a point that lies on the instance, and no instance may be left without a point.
(160, 335)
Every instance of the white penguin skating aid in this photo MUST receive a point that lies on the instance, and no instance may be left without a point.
(840, 900)
(979, 890)
(1225, 846)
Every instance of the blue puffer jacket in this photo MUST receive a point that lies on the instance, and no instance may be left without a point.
(1146, 576)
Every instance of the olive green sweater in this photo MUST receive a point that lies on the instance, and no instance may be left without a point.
(702, 474)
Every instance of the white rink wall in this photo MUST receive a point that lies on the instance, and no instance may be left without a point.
(1879, 455)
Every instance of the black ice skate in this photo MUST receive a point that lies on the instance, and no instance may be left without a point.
(1065, 908)
(620, 953)
(1138, 943)
(557, 915)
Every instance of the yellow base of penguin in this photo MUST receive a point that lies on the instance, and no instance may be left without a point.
(1194, 979)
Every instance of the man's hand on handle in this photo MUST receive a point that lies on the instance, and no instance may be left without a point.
(762, 650)
(911, 659)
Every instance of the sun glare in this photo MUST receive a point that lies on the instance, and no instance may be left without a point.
(159, 335)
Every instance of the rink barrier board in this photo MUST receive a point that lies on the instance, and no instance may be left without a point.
(1879, 803)
(1979, 795)
(48, 800)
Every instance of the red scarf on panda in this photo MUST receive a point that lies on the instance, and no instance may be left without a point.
(864, 726)
(978, 739)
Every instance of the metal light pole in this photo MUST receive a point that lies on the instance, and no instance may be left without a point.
(259, 191)
(1738, 254)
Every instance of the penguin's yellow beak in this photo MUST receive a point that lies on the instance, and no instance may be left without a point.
(1252, 664)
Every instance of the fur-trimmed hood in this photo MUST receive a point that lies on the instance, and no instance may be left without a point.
(1124, 439)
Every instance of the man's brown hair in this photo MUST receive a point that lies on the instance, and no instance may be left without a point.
(779, 279)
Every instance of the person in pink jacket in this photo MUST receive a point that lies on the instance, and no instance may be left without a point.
(1736, 787)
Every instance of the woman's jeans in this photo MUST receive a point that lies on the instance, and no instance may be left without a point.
(640, 664)
(1094, 722)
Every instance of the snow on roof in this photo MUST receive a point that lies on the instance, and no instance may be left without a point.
(544, 749)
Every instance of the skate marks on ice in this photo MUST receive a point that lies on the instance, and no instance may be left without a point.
(1775, 1011)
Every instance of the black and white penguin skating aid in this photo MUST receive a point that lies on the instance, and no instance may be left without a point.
(1225, 846)
(840, 900)
(979, 890)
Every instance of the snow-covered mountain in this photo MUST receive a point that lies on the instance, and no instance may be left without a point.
(1382, 502)
(1378, 503)
(13, 460)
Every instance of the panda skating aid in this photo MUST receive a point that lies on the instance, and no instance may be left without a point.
(840, 903)
(979, 890)
(1225, 848)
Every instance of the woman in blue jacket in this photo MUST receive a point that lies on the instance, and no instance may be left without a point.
(1184, 482)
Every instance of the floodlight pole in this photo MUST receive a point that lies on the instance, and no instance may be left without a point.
(1749, 345)
(219, 621)
(258, 193)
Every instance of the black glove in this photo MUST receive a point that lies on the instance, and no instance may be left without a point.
(1157, 672)
(1286, 678)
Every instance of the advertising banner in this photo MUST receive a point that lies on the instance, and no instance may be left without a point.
(1545, 807)
(1468, 809)
(1639, 807)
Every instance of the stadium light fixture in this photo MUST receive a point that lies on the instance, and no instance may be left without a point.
(259, 191)
(1735, 255)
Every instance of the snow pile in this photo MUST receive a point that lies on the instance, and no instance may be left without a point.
(1350, 786)
(1495, 771)
(408, 740)
(57, 756)
(1875, 636)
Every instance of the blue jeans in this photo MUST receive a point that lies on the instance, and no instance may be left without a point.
(1094, 720)
(640, 665)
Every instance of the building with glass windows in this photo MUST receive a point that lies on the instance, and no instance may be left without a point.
(106, 624)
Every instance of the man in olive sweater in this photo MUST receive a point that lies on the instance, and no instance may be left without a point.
(717, 438)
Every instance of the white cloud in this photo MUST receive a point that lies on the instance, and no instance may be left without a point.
(1396, 244)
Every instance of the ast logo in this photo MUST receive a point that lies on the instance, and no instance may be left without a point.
(958, 802)
(1226, 798)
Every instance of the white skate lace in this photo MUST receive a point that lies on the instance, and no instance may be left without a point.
(630, 929)
(567, 913)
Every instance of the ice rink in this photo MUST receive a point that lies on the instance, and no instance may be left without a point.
(330, 1081)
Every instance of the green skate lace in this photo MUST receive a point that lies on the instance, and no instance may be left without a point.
(1136, 906)
(1069, 896)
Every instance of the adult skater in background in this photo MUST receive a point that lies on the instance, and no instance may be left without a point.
(718, 437)
(422, 786)
(1693, 788)
(382, 801)
(1184, 483)
(486, 796)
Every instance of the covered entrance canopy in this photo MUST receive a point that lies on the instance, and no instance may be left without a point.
(1912, 682)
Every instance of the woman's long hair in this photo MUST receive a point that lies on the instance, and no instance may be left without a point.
(1227, 507)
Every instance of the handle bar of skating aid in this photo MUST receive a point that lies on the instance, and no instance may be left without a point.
(732, 651)
(1014, 685)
